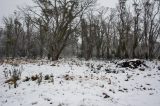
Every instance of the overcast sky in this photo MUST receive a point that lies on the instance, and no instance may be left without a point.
(7, 7)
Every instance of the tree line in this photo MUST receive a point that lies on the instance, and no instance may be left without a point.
(52, 28)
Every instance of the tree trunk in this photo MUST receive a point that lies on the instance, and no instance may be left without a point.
(55, 57)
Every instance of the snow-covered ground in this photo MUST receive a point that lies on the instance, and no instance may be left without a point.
(82, 83)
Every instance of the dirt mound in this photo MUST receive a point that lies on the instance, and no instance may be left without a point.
(132, 64)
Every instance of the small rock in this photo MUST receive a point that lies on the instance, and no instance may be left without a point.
(53, 65)
(47, 77)
(126, 80)
(114, 71)
(107, 71)
(148, 84)
(123, 71)
(33, 78)
(142, 69)
(144, 88)
(125, 89)
(26, 79)
(120, 90)
(106, 96)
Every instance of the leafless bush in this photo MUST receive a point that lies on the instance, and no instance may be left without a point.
(14, 75)
(40, 78)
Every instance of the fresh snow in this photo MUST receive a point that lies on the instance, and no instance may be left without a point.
(88, 85)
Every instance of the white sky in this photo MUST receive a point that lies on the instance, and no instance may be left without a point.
(7, 7)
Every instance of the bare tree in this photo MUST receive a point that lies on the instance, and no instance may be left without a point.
(101, 31)
(9, 27)
(50, 26)
(17, 31)
(150, 26)
(57, 17)
(136, 36)
(122, 50)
